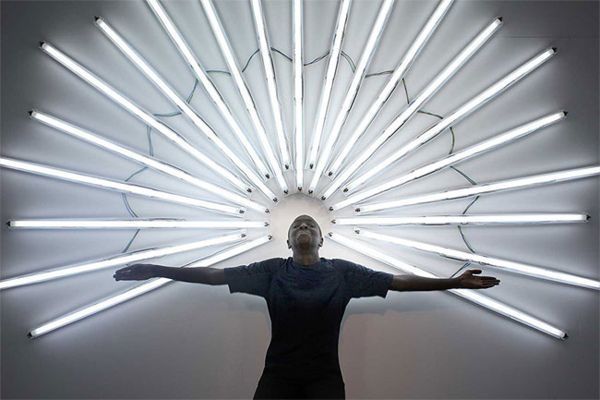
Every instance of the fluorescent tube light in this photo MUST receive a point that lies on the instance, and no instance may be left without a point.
(471, 151)
(334, 58)
(483, 188)
(468, 294)
(298, 27)
(504, 265)
(490, 219)
(113, 261)
(43, 170)
(236, 74)
(265, 53)
(414, 49)
(139, 290)
(151, 162)
(206, 82)
(459, 113)
(138, 223)
(146, 117)
(426, 94)
(352, 92)
(185, 108)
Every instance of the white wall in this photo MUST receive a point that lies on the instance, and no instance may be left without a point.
(191, 341)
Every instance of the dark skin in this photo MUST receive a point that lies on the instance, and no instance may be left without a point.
(305, 239)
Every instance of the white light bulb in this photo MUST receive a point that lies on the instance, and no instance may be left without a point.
(138, 223)
(468, 294)
(206, 83)
(40, 169)
(334, 59)
(464, 110)
(223, 43)
(471, 151)
(151, 162)
(146, 117)
(298, 61)
(137, 291)
(113, 261)
(412, 52)
(484, 188)
(426, 94)
(176, 99)
(490, 219)
(269, 70)
(352, 92)
(505, 265)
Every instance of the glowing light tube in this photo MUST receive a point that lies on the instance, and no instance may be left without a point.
(138, 223)
(490, 219)
(441, 78)
(206, 82)
(504, 265)
(113, 261)
(414, 49)
(471, 151)
(176, 99)
(146, 117)
(236, 74)
(298, 27)
(334, 58)
(139, 290)
(351, 93)
(467, 294)
(484, 188)
(464, 110)
(151, 162)
(265, 53)
(43, 170)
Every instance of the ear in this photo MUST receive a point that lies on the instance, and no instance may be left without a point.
(288, 243)
(321, 242)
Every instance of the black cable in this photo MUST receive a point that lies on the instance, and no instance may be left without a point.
(316, 59)
(130, 210)
(379, 73)
(469, 179)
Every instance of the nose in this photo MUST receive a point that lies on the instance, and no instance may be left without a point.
(303, 226)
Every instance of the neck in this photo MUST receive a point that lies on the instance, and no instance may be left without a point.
(306, 258)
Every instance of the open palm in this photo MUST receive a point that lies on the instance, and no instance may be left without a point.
(468, 281)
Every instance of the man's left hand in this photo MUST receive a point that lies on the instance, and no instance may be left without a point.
(468, 281)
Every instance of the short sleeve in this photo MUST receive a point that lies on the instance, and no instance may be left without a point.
(365, 282)
(253, 278)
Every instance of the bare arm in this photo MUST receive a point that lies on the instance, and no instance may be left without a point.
(205, 275)
(404, 283)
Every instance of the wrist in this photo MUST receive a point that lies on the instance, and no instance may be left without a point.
(456, 283)
(158, 271)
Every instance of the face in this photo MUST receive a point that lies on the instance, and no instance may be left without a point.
(304, 234)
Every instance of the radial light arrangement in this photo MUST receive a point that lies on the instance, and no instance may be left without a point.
(327, 161)
(207, 84)
(332, 66)
(236, 73)
(436, 84)
(359, 74)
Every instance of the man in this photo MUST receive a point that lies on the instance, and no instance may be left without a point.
(306, 297)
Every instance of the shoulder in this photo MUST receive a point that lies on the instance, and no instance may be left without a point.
(270, 264)
(345, 265)
(258, 267)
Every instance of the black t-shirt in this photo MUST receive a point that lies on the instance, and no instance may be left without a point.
(306, 304)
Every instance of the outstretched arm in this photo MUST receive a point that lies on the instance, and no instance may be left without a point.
(138, 272)
(403, 283)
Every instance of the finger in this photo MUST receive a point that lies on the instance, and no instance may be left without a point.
(475, 271)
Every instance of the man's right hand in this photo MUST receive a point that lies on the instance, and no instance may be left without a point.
(136, 272)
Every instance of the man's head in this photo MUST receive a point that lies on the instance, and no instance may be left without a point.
(304, 234)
